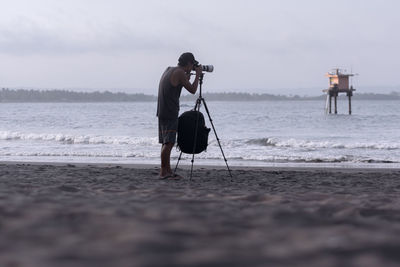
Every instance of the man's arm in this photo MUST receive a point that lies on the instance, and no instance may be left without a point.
(184, 80)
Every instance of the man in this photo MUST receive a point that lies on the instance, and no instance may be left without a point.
(169, 91)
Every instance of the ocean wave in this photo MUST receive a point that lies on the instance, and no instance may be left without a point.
(310, 159)
(79, 139)
(296, 143)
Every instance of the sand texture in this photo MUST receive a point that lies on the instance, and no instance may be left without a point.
(82, 215)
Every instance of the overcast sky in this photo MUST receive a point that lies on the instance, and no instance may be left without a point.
(257, 46)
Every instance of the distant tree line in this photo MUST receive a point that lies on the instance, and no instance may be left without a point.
(23, 95)
(269, 97)
(237, 97)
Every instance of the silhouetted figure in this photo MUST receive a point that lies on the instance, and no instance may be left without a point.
(169, 91)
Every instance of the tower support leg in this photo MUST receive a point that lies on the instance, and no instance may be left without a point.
(335, 104)
(349, 105)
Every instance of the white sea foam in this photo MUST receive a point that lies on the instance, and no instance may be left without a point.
(300, 143)
(78, 139)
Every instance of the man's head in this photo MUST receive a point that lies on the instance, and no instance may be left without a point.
(187, 60)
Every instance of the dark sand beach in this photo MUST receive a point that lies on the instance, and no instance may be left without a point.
(83, 215)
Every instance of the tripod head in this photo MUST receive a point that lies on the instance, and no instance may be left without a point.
(193, 74)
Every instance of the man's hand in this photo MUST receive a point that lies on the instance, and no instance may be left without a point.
(198, 70)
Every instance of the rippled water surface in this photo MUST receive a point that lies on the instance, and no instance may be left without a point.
(252, 133)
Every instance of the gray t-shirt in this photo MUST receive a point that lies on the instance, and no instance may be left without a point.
(168, 96)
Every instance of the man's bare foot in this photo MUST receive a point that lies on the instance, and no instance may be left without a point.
(171, 176)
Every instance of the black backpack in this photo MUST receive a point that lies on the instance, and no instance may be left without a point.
(186, 132)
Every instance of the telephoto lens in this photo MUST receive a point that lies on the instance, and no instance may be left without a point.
(208, 68)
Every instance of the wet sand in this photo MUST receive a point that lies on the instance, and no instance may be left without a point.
(109, 215)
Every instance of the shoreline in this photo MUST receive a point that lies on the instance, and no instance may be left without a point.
(281, 167)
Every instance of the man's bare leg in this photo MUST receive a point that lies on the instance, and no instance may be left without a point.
(165, 159)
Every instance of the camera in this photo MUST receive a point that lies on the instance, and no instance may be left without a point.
(207, 68)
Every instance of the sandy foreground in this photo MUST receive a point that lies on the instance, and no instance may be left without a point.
(108, 215)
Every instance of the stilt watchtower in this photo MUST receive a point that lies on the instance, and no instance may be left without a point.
(339, 82)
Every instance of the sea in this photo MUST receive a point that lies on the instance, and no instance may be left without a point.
(264, 133)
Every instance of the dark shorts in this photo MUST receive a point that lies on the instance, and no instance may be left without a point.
(167, 131)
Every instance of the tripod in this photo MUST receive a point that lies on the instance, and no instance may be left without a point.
(200, 100)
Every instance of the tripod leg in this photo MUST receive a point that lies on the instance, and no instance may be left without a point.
(176, 167)
(195, 130)
(191, 169)
(216, 136)
(197, 105)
